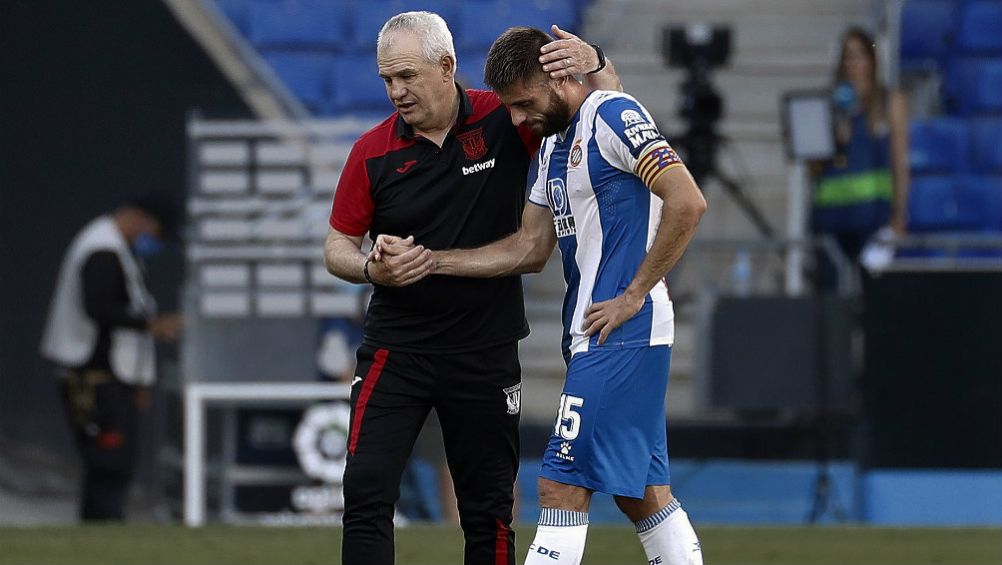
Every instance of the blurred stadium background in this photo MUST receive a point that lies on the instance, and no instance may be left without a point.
(781, 412)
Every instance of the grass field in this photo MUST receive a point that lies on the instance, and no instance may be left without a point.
(431, 545)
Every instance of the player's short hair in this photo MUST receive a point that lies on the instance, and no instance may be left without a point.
(436, 39)
(514, 57)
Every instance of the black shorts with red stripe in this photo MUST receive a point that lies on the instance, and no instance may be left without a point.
(477, 396)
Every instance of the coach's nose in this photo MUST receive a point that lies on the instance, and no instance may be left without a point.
(396, 89)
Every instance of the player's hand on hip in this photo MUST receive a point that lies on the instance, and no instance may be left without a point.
(401, 270)
(568, 55)
(603, 317)
(390, 245)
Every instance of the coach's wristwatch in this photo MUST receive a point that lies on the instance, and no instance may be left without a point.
(601, 59)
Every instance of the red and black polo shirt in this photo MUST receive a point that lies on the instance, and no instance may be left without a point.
(465, 194)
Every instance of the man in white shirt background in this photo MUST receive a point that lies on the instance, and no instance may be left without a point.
(99, 334)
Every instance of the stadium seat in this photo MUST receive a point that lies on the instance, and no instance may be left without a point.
(941, 203)
(236, 12)
(973, 86)
(306, 73)
(483, 22)
(985, 191)
(298, 23)
(938, 145)
(979, 30)
(367, 23)
(471, 69)
(925, 33)
(357, 86)
(986, 146)
(986, 89)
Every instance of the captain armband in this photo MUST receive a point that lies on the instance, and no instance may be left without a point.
(657, 159)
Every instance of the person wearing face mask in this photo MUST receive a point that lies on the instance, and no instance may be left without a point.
(864, 188)
(100, 331)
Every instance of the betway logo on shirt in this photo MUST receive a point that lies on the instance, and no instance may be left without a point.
(477, 167)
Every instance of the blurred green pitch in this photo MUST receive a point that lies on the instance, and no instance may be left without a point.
(434, 545)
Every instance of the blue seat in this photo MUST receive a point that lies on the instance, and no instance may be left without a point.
(306, 73)
(985, 192)
(367, 22)
(938, 145)
(236, 12)
(483, 22)
(986, 146)
(979, 28)
(298, 23)
(973, 86)
(925, 33)
(985, 94)
(357, 86)
(471, 69)
(941, 203)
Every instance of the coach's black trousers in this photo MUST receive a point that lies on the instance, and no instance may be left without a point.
(477, 397)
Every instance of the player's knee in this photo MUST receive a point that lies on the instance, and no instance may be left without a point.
(565, 497)
(633, 508)
(636, 509)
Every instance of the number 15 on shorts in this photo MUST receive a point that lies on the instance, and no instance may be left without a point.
(568, 420)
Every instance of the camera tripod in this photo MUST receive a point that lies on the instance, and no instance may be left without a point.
(701, 146)
(824, 488)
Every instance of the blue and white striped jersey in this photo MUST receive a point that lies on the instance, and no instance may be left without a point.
(594, 177)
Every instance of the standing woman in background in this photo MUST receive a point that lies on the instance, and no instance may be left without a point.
(865, 186)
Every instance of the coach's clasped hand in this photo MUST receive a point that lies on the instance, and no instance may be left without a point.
(396, 261)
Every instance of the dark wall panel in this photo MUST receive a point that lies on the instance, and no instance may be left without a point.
(93, 101)
(933, 383)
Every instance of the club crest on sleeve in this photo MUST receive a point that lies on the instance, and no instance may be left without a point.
(474, 145)
(513, 398)
(631, 118)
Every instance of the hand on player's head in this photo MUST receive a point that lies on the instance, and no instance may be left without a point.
(567, 55)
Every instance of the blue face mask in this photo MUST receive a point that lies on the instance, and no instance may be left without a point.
(147, 245)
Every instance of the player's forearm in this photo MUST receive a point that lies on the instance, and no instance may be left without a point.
(606, 79)
(344, 260)
(513, 255)
(678, 224)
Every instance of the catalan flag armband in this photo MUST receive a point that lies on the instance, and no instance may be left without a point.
(658, 158)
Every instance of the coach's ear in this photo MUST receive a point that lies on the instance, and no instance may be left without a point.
(448, 66)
